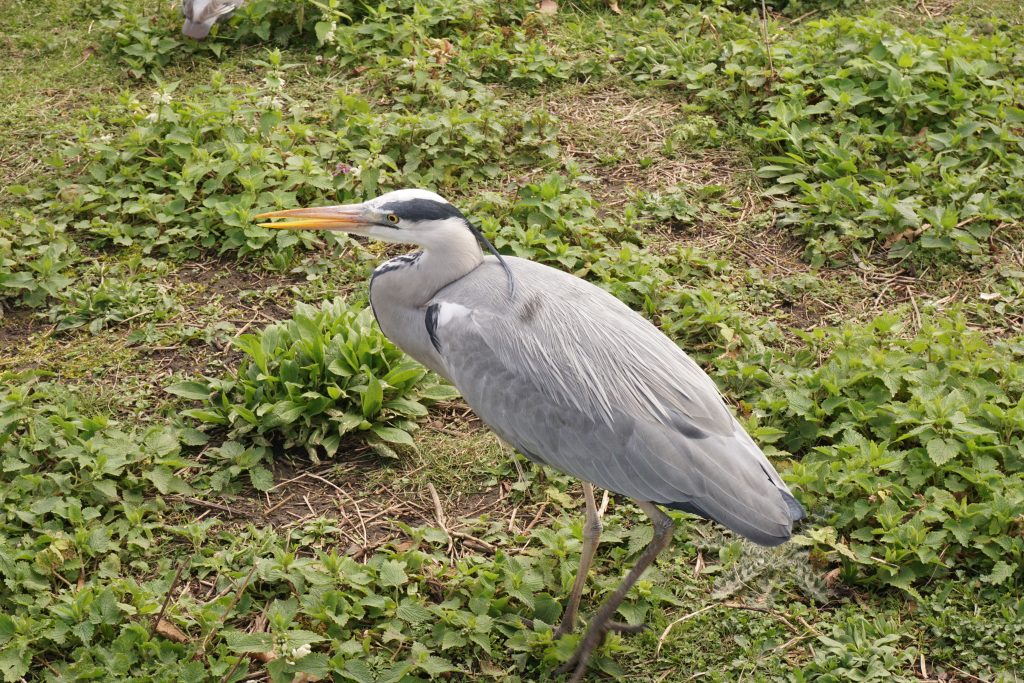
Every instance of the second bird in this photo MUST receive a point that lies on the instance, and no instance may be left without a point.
(201, 15)
(570, 376)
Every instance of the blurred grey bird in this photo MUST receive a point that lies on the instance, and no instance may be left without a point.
(201, 15)
(570, 376)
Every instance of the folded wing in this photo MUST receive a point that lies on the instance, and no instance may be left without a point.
(582, 383)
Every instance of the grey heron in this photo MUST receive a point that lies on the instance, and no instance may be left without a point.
(570, 376)
(201, 15)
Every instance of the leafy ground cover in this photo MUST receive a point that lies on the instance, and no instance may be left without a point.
(213, 466)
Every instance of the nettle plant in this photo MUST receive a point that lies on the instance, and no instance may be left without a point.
(460, 145)
(37, 258)
(78, 501)
(880, 138)
(912, 450)
(147, 41)
(310, 381)
(871, 137)
(185, 173)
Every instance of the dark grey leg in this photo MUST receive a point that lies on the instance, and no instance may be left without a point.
(591, 537)
(602, 620)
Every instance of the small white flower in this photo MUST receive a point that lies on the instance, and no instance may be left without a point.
(269, 102)
(152, 117)
(298, 653)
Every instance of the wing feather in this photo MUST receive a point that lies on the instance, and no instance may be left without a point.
(575, 379)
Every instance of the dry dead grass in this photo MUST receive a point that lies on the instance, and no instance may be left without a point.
(618, 138)
(367, 500)
(125, 374)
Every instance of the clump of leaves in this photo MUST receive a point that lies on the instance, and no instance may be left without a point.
(310, 381)
(146, 42)
(76, 501)
(861, 650)
(455, 146)
(979, 630)
(112, 300)
(186, 173)
(912, 449)
(873, 138)
(139, 39)
(37, 258)
(880, 137)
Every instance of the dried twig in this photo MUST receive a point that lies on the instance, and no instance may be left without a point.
(170, 590)
(438, 512)
(664, 634)
(210, 504)
(473, 540)
(234, 601)
(279, 503)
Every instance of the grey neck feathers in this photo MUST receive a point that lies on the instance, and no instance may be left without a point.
(414, 282)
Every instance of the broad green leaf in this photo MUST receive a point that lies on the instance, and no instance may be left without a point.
(413, 612)
(1001, 573)
(439, 392)
(392, 573)
(262, 479)
(372, 398)
(241, 642)
(942, 451)
(167, 482)
(190, 390)
(392, 435)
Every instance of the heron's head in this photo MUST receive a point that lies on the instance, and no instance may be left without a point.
(415, 217)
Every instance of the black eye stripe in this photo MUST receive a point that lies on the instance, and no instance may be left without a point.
(414, 210)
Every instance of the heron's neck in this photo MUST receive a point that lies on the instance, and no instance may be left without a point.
(411, 282)
(402, 287)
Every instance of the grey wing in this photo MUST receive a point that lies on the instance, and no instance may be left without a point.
(575, 379)
(201, 15)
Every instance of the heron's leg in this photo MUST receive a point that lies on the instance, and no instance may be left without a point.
(591, 537)
(599, 625)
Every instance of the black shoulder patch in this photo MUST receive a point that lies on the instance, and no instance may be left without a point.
(396, 263)
(530, 309)
(422, 210)
(689, 429)
(431, 321)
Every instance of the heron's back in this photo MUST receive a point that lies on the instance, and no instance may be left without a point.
(575, 379)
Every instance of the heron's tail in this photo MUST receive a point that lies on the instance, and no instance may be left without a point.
(796, 510)
(741, 490)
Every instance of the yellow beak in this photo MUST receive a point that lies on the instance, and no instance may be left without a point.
(348, 217)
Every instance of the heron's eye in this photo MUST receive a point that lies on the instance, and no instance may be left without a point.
(392, 218)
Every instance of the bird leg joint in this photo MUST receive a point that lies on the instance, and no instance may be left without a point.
(664, 528)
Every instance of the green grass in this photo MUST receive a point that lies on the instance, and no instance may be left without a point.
(872, 347)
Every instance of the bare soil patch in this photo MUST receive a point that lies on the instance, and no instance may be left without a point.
(366, 500)
(18, 328)
(619, 138)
